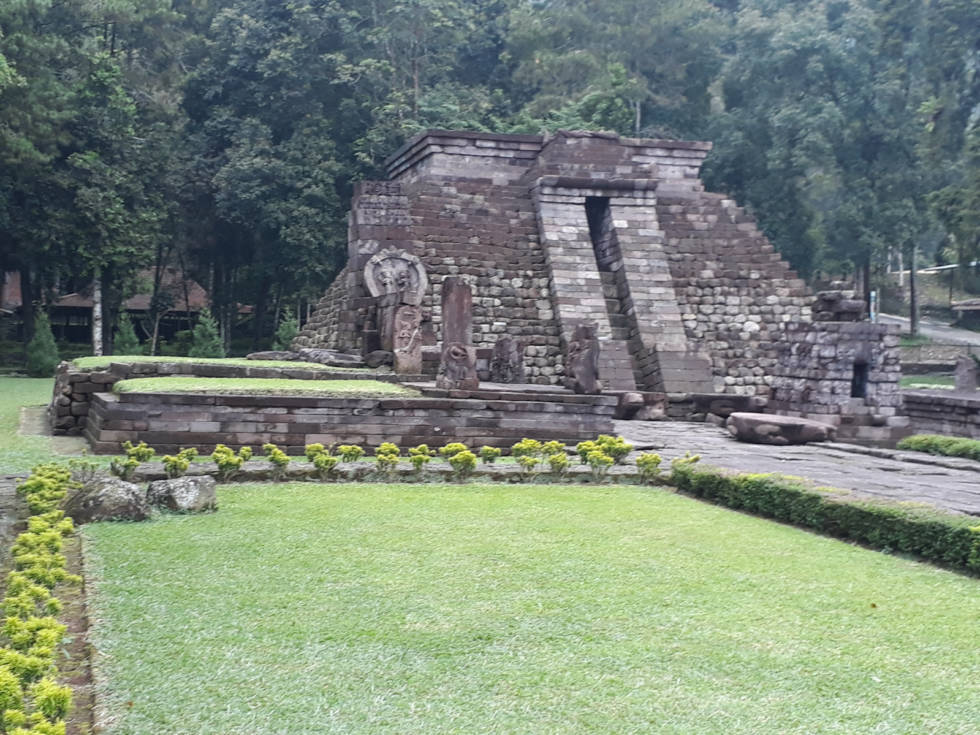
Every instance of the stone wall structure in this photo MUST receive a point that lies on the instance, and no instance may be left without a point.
(686, 294)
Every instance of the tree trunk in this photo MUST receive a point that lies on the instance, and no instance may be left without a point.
(913, 297)
(97, 314)
(866, 285)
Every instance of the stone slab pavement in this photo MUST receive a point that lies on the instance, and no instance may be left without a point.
(951, 484)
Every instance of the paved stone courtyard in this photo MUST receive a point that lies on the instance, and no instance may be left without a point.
(949, 483)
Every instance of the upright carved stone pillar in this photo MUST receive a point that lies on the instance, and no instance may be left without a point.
(507, 361)
(457, 368)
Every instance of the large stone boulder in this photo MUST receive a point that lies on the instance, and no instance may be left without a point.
(765, 428)
(184, 494)
(107, 499)
(330, 358)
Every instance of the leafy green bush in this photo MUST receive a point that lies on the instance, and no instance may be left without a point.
(124, 469)
(489, 455)
(452, 448)
(206, 340)
(419, 461)
(141, 452)
(463, 464)
(175, 466)
(599, 462)
(948, 446)
(614, 446)
(558, 463)
(42, 352)
(350, 452)
(51, 700)
(526, 448)
(552, 447)
(126, 342)
(387, 448)
(387, 463)
(312, 451)
(278, 459)
(648, 465)
(529, 466)
(325, 465)
(942, 537)
(420, 450)
(228, 462)
(584, 449)
(286, 332)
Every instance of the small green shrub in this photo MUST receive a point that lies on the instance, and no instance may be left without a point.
(682, 463)
(175, 466)
(51, 700)
(452, 448)
(286, 332)
(558, 463)
(350, 452)
(529, 466)
(126, 342)
(11, 694)
(387, 464)
(614, 446)
(312, 451)
(599, 462)
(463, 464)
(648, 465)
(526, 448)
(42, 352)
(489, 455)
(552, 447)
(228, 462)
(387, 448)
(421, 449)
(584, 448)
(325, 465)
(141, 452)
(124, 469)
(419, 461)
(278, 459)
(205, 339)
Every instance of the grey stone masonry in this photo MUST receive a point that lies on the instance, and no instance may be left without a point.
(687, 294)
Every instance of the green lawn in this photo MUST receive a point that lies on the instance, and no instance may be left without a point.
(263, 386)
(19, 453)
(519, 609)
(927, 381)
(97, 363)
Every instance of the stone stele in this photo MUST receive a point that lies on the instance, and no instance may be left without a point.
(457, 368)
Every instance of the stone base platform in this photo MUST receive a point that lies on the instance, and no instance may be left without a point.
(170, 421)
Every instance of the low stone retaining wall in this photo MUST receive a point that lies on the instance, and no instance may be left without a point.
(169, 421)
(74, 388)
(939, 412)
(933, 358)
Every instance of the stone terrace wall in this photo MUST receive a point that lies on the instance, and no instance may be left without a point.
(74, 388)
(941, 412)
(168, 422)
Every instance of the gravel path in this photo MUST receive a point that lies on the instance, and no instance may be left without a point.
(946, 483)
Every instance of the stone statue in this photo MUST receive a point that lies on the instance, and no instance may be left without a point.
(582, 361)
(457, 368)
(966, 374)
(407, 340)
(397, 280)
(507, 361)
(394, 271)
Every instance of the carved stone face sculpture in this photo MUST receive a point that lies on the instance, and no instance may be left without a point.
(396, 272)
(457, 369)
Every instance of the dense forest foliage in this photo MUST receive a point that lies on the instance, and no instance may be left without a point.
(223, 136)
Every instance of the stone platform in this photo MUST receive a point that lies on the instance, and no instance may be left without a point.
(170, 421)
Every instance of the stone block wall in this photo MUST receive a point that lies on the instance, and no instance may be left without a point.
(939, 412)
(823, 365)
(168, 422)
(698, 296)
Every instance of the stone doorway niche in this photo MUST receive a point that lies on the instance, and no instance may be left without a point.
(859, 379)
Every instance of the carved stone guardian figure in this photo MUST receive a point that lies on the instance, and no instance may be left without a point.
(398, 282)
(408, 340)
(582, 360)
(507, 361)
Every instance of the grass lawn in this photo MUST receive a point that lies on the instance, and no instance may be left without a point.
(97, 363)
(927, 381)
(263, 386)
(519, 609)
(20, 453)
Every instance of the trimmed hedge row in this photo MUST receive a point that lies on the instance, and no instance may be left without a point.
(947, 446)
(31, 700)
(931, 534)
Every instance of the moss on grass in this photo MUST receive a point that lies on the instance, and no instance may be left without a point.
(263, 387)
(98, 363)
